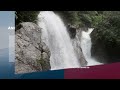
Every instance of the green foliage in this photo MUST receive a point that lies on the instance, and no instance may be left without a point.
(81, 18)
(107, 32)
(109, 29)
(41, 62)
(26, 16)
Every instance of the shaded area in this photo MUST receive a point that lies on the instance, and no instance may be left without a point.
(106, 38)
(26, 16)
(71, 31)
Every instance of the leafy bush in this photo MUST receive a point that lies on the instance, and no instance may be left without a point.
(44, 64)
(81, 18)
(108, 33)
(26, 16)
(109, 28)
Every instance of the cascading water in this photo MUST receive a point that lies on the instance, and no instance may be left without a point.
(55, 35)
(86, 47)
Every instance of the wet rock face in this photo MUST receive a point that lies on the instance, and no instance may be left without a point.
(71, 31)
(31, 53)
(77, 47)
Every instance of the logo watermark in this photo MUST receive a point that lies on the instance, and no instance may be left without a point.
(11, 28)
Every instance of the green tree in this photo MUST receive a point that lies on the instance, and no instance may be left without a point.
(108, 32)
(26, 16)
(81, 18)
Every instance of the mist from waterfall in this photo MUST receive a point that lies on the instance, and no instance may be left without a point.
(56, 37)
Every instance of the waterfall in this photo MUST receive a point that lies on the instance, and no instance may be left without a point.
(56, 37)
(86, 47)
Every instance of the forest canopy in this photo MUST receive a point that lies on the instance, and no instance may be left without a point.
(25, 16)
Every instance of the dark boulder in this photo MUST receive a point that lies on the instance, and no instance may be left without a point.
(71, 31)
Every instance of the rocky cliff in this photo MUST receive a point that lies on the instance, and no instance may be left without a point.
(31, 52)
(75, 35)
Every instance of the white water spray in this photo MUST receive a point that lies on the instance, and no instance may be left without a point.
(86, 47)
(55, 35)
